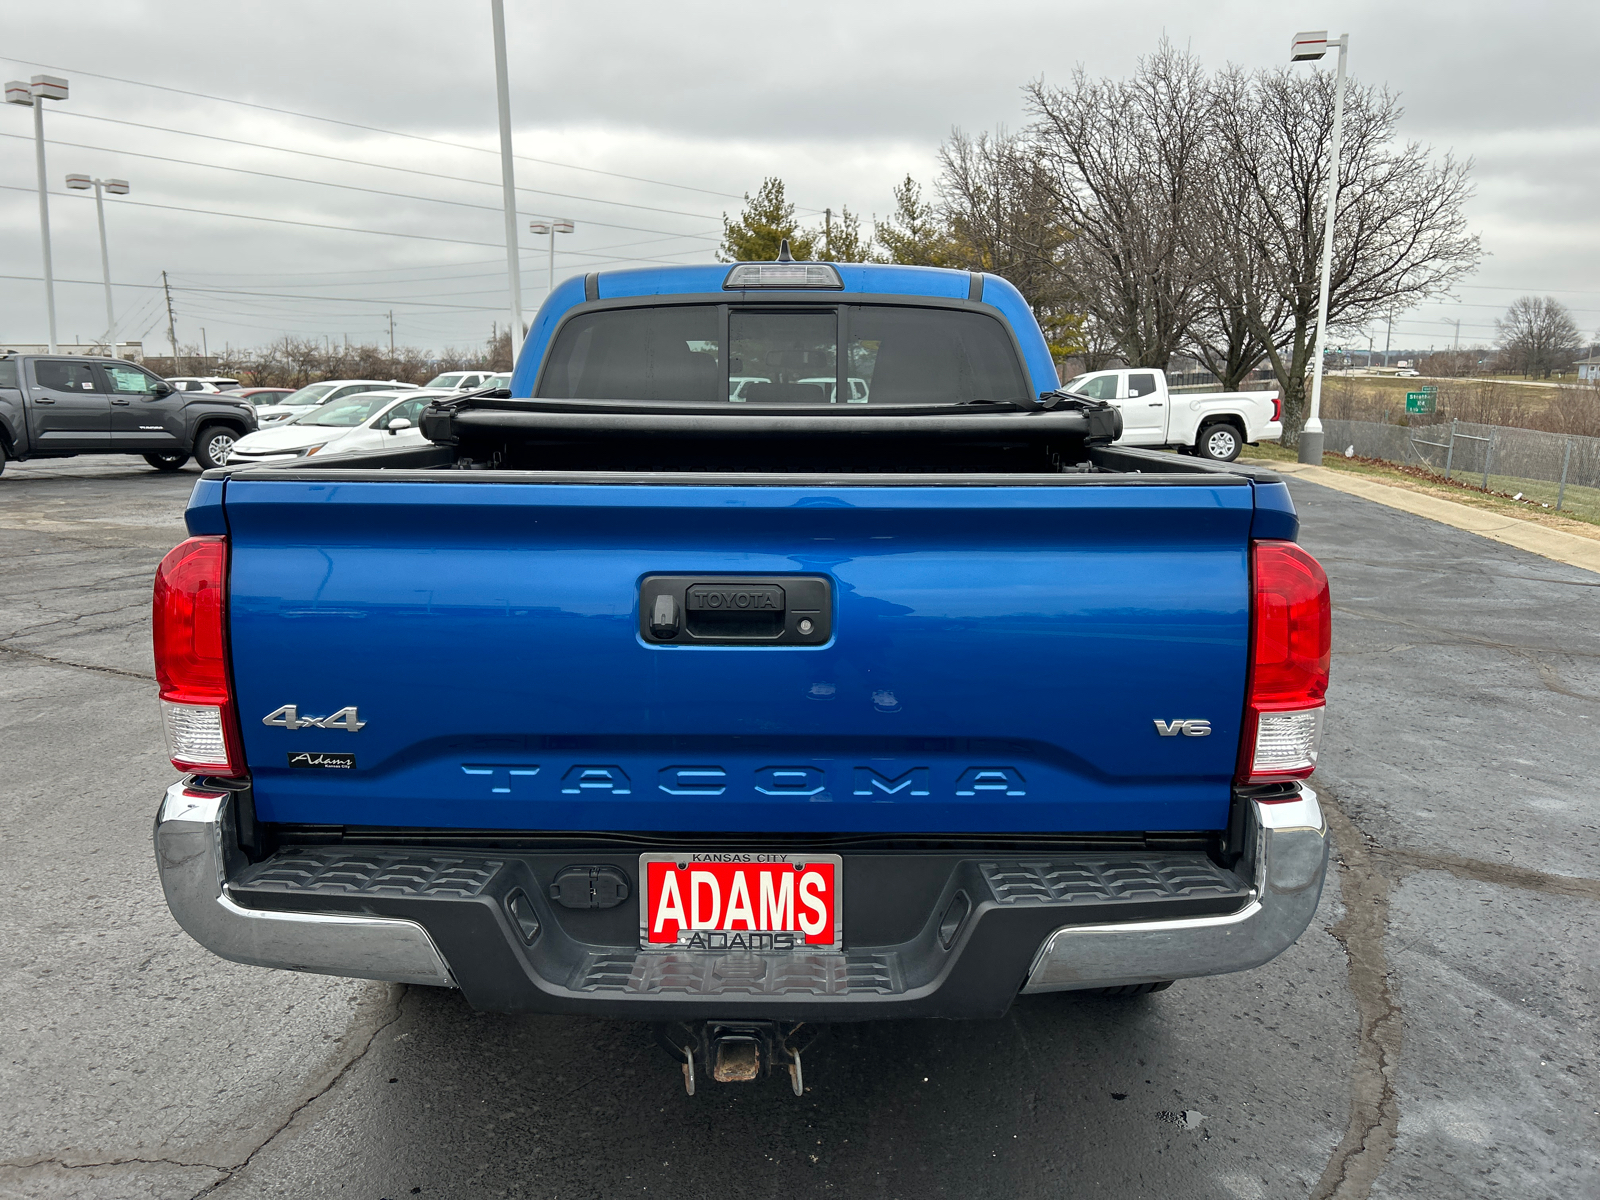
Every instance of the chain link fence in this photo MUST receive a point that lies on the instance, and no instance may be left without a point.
(1552, 469)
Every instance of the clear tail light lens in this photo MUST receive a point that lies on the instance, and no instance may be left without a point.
(1291, 634)
(189, 618)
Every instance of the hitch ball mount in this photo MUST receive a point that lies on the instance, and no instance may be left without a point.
(736, 1051)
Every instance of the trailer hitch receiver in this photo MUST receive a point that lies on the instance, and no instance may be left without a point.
(736, 1051)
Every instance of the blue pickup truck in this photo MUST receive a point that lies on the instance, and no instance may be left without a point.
(782, 647)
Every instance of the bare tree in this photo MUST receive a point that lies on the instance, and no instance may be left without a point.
(1127, 169)
(999, 211)
(295, 362)
(1399, 231)
(1239, 315)
(1538, 335)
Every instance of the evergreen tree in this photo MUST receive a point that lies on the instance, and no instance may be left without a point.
(840, 240)
(762, 226)
(913, 234)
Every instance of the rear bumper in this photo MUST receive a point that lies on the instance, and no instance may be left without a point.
(1266, 431)
(976, 932)
(195, 848)
(1290, 856)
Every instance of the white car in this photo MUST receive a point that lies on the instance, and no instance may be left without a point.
(364, 421)
(464, 381)
(314, 394)
(201, 383)
(738, 383)
(859, 392)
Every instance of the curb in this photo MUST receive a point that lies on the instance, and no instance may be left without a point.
(1553, 544)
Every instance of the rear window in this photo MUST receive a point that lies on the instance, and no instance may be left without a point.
(706, 353)
(8, 373)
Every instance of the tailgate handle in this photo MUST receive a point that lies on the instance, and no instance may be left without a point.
(736, 610)
(747, 611)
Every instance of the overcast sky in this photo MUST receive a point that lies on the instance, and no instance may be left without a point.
(697, 101)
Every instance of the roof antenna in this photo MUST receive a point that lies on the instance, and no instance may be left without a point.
(783, 252)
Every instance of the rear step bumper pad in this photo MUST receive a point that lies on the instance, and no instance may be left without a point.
(193, 838)
(1073, 921)
(1288, 851)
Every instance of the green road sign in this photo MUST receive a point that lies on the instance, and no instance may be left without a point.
(1420, 402)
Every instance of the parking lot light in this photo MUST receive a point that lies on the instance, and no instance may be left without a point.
(117, 187)
(508, 181)
(552, 226)
(33, 93)
(1310, 47)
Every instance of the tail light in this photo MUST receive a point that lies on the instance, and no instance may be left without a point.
(189, 626)
(1277, 407)
(1291, 632)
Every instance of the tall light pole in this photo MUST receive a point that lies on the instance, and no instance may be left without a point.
(117, 187)
(508, 180)
(1309, 47)
(553, 226)
(34, 94)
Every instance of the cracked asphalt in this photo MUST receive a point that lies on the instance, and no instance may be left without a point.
(1435, 1033)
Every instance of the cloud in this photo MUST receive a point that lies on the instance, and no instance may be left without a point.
(840, 99)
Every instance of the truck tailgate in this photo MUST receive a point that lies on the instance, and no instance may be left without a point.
(999, 658)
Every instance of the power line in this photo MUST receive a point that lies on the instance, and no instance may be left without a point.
(351, 187)
(529, 263)
(425, 237)
(339, 158)
(266, 295)
(373, 128)
(1506, 287)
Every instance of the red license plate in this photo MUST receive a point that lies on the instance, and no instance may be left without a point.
(740, 902)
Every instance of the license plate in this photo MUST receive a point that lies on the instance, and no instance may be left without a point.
(768, 903)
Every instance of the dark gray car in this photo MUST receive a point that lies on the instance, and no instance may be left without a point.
(55, 406)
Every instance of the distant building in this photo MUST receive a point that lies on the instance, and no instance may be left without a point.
(1589, 370)
(133, 350)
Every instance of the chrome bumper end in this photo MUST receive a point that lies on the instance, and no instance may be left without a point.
(194, 842)
(1287, 855)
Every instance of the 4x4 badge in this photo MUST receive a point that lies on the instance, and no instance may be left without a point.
(288, 717)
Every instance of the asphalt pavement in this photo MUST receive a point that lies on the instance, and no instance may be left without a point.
(1435, 1033)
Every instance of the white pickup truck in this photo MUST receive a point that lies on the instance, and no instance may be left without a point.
(1214, 425)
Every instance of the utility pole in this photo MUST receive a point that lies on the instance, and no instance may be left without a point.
(172, 324)
(508, 181)
(391, 341)
(827, 233)
(1388, 334)
(205, 350)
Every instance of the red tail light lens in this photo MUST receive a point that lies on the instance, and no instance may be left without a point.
(189, 626)
(1291, 635)
(1277, 407)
